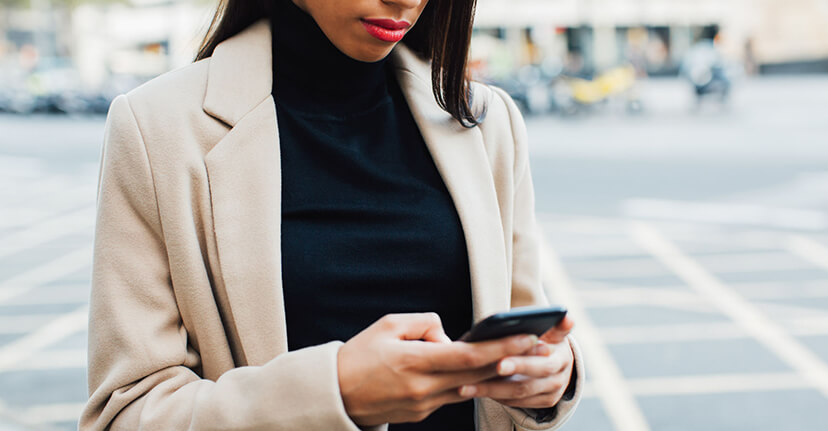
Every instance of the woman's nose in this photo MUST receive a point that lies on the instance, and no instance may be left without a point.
(406, 4)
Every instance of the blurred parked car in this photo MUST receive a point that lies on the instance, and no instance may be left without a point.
(54, 86)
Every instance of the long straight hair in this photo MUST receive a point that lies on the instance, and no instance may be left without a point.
(441, 35)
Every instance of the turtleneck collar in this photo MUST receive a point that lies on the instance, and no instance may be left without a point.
(311, 72)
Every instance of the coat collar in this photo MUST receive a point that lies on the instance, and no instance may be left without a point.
(244, 174)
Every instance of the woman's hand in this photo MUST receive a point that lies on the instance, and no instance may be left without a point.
(403, 367)
(536, 380)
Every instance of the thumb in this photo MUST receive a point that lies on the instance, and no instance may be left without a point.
(422, 326)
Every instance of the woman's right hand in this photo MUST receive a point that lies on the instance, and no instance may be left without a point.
(403, 367)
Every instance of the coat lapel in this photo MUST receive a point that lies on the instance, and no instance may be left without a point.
(244, 175)
(461, 159)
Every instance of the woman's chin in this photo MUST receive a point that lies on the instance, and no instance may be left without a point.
(369, 54)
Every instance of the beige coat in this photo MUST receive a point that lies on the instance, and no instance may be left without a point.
(187, 325)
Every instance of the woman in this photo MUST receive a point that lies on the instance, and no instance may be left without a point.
(313, 178)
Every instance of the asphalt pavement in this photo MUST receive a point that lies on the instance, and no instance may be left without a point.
(689, 243)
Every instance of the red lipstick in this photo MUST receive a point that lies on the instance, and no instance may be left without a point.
(386, 30)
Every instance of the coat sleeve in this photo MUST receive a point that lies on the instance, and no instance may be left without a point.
(527, 287)
(142, 371)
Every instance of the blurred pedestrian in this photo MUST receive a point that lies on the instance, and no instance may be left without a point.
(705, 68)
(310, 179)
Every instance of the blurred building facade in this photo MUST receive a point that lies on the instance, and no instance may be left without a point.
(103, 40)
(655, 34)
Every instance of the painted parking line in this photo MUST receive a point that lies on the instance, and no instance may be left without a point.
(49, 230)
(769, 333)
(609, 383)
(808, 249)
(55, 360)
(689, 332)
(27, 346)
(52, 413)
(712, 384)
(726, 213)
(21, 324)
(664, 298)
(51, 271)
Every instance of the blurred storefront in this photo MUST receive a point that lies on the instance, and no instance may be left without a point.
(52, 50)
(653, 35)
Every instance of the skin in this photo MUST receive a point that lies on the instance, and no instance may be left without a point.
(340, 21)
(403, 367)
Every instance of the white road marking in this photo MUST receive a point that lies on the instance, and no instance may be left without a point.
(37, 234)
(789, 311)
(21, 324)
(808, 249)
(711, 384)
(626, 297)
(63, 293)
(618, 401)
(725, 213)
(803, 326)
(722, 264)
(807, 189)
(22, 167)
(51, 189)
(55, 360)
(46, 273)
(51, 413)
(770, 334)
(782, 290)
(27, 346)
(41, 210)
(653, 334)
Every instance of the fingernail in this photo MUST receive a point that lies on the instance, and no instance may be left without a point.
(506, 368)
(467, 391)
(544, 350)
(531, 340)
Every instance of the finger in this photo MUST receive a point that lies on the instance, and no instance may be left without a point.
(450, 381)
(558, 333)
(532, 366)
(540, 401)
(541, 349)
(416, 326)
(460, 355)
(423, 408)
(515, 387)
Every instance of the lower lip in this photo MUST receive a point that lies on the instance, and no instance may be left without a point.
(382, 33)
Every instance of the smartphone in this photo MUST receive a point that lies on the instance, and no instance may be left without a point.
(521, 320)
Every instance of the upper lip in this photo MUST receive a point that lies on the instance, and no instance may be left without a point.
(388, 23)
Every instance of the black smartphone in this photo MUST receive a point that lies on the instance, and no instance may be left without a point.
(521, 320)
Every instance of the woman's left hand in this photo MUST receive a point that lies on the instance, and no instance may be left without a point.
(535, 380)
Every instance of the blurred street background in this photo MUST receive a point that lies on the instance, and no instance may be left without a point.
(680, 162)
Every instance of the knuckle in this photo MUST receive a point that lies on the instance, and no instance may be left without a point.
(420, 416)
(550, 400)
(550, 368)
(516, 344)
(556, 386)
(523, 389)
(420, 408)
(389, 320)
(408, 360)
(470, 359)
(433, 318)
(418, 391)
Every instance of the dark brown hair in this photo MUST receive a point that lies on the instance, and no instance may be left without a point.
(442, 35)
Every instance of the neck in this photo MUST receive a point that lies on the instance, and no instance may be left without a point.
(308, 68)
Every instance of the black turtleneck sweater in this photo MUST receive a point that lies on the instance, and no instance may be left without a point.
(368, 226)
